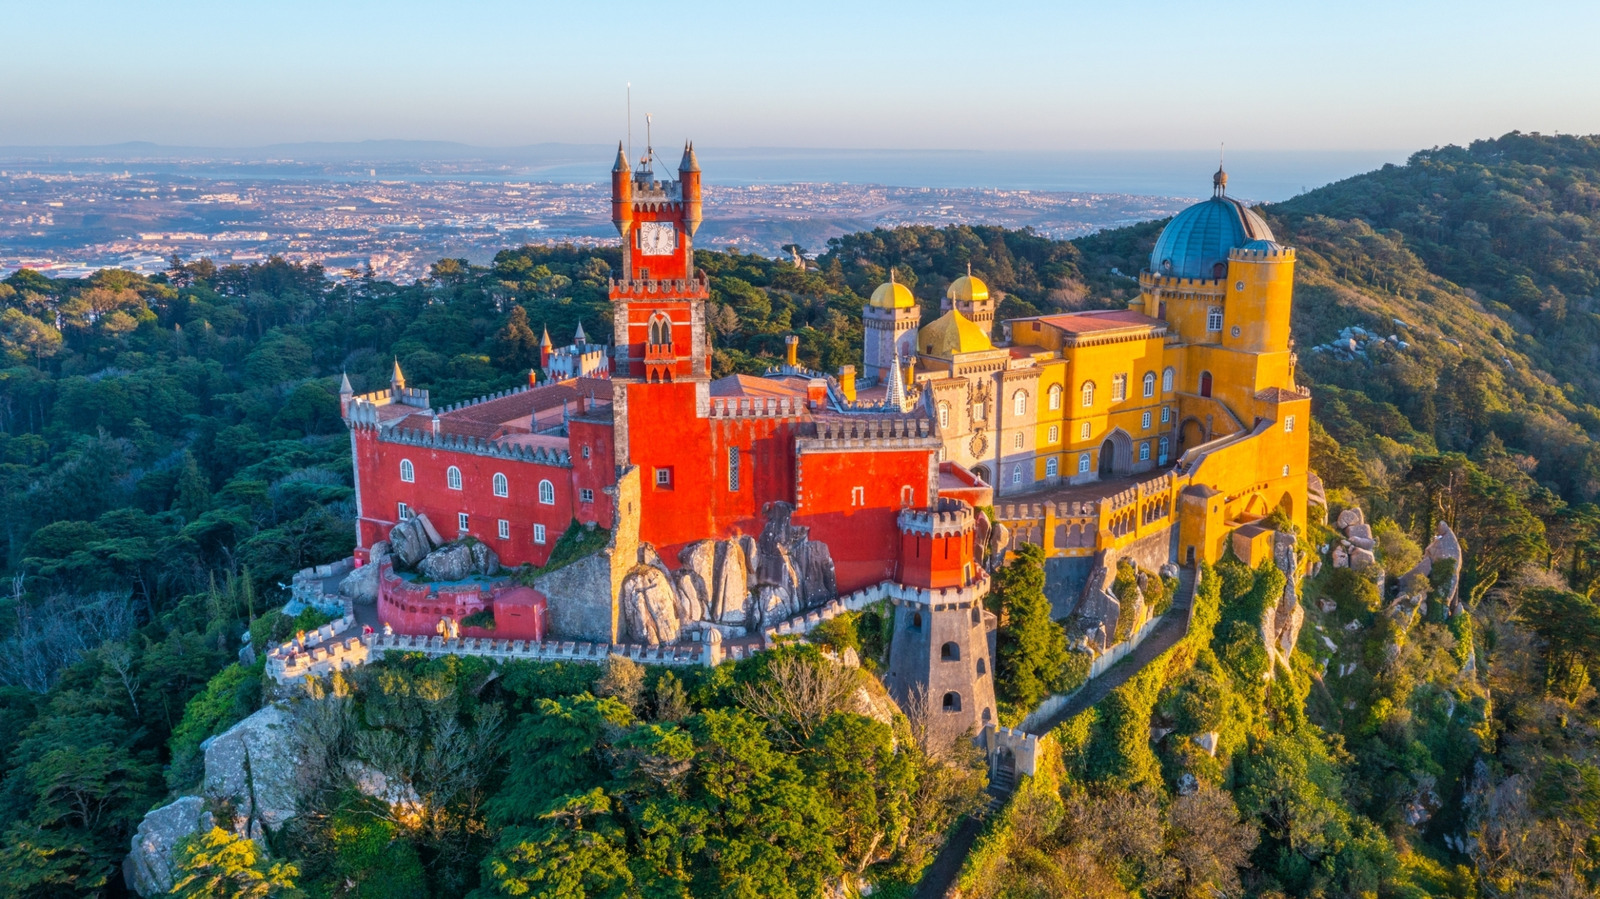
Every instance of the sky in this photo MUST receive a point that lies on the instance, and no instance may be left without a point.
(1154, 75)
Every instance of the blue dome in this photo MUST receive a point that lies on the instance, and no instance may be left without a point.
(1198, 239)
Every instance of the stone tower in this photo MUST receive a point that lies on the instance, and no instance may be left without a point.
(941, 656)
(969, 296)
(889, 324)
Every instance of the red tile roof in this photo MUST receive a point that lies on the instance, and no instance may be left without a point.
(1100, 320)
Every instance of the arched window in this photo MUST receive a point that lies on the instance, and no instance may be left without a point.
(1016, 474)
(1205, 383)
(950, 652)
(1051, 467)
(547, 493)
(1144, 451)
(944, 415)
(1149, 383)
(660, 329)
(502, 487)
(1016, 441)
(1214, 318)
(916, 621)
(1054, 434)
(408, 472)
(983, 667)
(1164, 446)
(452, 477)
(1083, 463)
(1166, 380)
(1019, 403)
(952, 701)
(1088, 394)
(1055, 396)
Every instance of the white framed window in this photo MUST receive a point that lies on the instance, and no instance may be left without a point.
(1144, 420)
(1149, 383)
(1019, 404)
(1288, 424)
(1214, 318)
(1083, 463)
(1144, 451)
(462, 522)
(585, 495)
(858, 496)
(1119, 388)
(1088, 394)
(1055, 396)
(408, 472)
(733, 469)
(538, 533)
(944, 415)
(1084, 431)
(402, 512)
(452, 477)
(1167, 377)
(1051, 467)
(1054, 434)
(1016, 441)
(502, 487)
(1166, 414)
(547, 493)
(505, 529)
(1165, 448)
(1016, 474)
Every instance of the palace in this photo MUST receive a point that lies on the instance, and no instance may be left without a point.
(738, 507)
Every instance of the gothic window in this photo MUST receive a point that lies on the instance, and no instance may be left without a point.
(1016, 474)
(660, 329)
(733, 469)
(1164, 448)
(1016, 441)
(408, 472)
(1166, 380)
(1214, 318)
(1119, 388)
(1088, 394)
(1051, 467)
(1144, 451)
(505, 529)
(1149, 383)
(950, 652)
(452, 477)
(1083, 463)
(461, 522)
(1054, 434)
(547, 493)
(1055, 396)
(952, 702)
(944, 415)
(538, 533)
(502, 487)
(1019, 403)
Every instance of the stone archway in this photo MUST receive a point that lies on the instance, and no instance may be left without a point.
(1190, 434)
(982, 471)
(1116, 454)
(1255, 508)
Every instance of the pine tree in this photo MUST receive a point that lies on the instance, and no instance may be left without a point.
(516, 347)
(193, 495)
(1032, 647)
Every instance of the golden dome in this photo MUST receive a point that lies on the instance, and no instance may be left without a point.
(968, 288)
(893, 295)
(950, 334)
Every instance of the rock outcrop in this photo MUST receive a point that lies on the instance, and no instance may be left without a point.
(411, 540)
(148, 868)
(459, 560)
(361, 585)
(252, 766)
(1281, 622)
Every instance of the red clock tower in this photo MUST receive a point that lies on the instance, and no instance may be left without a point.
(658, 306)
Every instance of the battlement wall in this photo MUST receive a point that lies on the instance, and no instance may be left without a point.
(948, 518)
(478, 446)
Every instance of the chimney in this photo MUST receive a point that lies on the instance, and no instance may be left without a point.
(791, 351)
(533, 377)
(847, 383)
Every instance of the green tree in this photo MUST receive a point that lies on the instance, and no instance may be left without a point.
(1032, 648)
(516, 347)
(220, 864)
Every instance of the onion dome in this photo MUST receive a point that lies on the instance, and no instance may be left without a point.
(1195, 244)
(893, 296)
(950, 334)
(968, 288)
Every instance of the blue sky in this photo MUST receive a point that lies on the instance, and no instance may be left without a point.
(973, 75)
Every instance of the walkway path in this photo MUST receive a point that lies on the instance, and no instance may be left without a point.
(1174, 625)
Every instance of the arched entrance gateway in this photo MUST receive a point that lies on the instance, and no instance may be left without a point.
(1116, 454)
(1107, 459)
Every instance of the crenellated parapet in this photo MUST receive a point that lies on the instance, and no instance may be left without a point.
(1273, 253)
(647, 289)
(876, 432)
(678, 654)
(756, 407)
(948, 518)
(479, 446)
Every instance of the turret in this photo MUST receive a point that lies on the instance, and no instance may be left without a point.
(689, 178)
(346, 393)
(397, 379)
(545, 349)
(622, 192)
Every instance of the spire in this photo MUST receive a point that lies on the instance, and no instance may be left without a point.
(1219, 181)
(622, 159)
(545, 340)
(398, 379)
(344, 385)
(580, 338)
(897, 385)
(689, 163)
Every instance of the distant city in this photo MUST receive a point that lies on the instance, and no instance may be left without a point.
(396, 208)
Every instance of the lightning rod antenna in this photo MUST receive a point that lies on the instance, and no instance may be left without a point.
(630, 120)
(649, 144)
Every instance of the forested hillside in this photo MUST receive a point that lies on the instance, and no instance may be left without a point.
(171, 451)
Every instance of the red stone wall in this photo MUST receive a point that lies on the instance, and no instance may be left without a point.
(934, 562)
(860, 529)
(416, 609)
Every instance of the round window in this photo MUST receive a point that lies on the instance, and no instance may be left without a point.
(1238, 285)
(1236, 330)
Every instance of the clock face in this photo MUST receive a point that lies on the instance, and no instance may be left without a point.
(657, 238)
